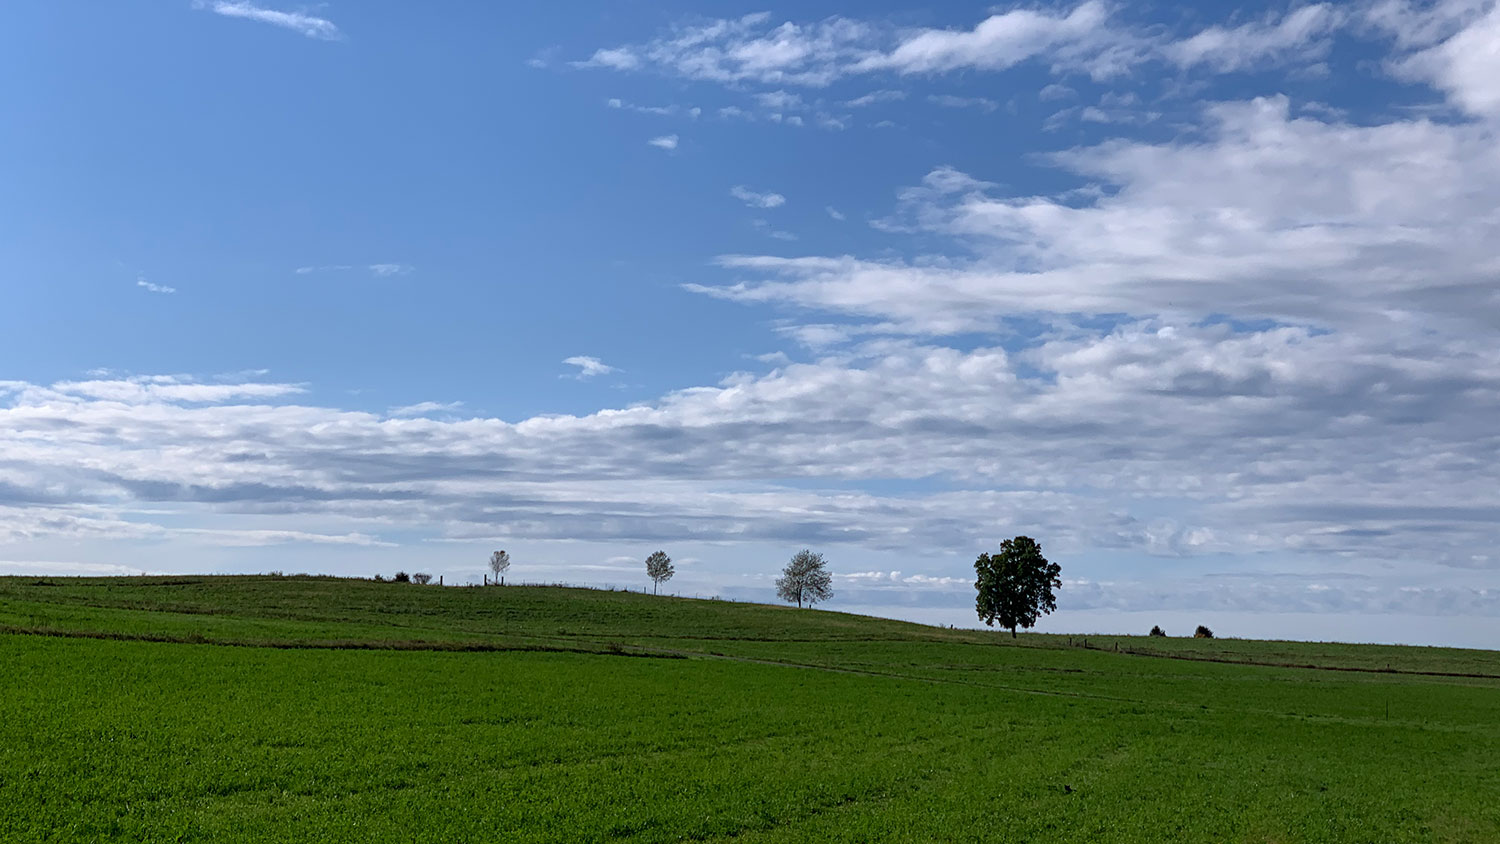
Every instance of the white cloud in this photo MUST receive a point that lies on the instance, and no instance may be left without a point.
(1055, 91)
(835, 213)
(425, 407)
(950, 101)
(1080, 37)
(1280, 441)
(1250, 221)
(1465, 65)
(154, 288)
(588, 367)
(746, 49)
(1085, 38)
(755, 199)
(779, 100)
(259, 538)
(384, 270)
(668, 142)
(620, 59)
(874, 97)
(1300, 33)
(300, 22)
(151, 389)
(660, 111)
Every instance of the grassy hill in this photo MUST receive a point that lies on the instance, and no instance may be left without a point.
(361, 711)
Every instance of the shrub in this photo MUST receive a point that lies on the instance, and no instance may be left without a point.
(421, 578)
(379, 579)
(1157, 631)
(1203, 633)
(401, 577)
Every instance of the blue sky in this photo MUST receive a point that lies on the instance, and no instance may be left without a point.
(1197, 295)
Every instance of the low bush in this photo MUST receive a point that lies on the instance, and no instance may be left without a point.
(401, 577)
(1157, 631)
(1203, 633)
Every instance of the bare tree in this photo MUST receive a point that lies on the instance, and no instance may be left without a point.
(805, 579)
(421, 578)
(499, 564)
(659, 568)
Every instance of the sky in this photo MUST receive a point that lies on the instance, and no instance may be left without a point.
(1202, 297)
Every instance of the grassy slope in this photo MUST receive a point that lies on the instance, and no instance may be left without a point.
(917, 732)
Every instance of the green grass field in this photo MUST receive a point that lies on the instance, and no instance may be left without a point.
(318, 709)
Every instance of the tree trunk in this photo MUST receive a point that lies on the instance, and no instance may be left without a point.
(1013, 632)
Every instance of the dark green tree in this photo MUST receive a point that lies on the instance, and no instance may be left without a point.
(1015, 586)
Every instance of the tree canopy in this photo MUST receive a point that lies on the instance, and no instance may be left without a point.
(499, 563)
(1015, 586)
(659, 568)
(805, 579)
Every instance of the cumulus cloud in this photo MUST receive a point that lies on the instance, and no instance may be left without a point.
(1272, 217)
(667, 142)
(755, 199)
(299, 22)
(1251, 437)
(588, 367)
(1465, 64)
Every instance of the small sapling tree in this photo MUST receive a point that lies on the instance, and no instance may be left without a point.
(1157, 631)
(1015, 586)
(421, 578)
(659, 569)
(805, 579)
(500, 564)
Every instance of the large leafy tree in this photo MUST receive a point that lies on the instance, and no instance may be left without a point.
(805, 579)
(1015, 586)
(659, 568)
